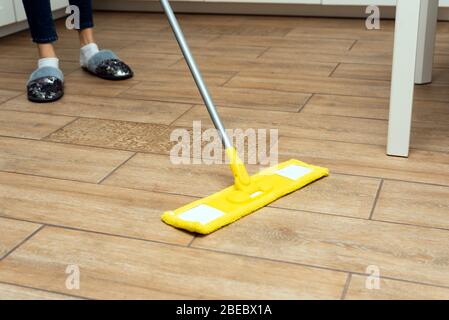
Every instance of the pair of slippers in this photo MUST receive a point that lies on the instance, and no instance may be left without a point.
(46, 84)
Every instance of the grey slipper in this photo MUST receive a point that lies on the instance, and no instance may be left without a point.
(105, 64)
(46, 84)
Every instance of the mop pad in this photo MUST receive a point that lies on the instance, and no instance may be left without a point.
(222, 208)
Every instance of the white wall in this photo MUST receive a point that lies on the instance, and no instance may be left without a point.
(12, 11)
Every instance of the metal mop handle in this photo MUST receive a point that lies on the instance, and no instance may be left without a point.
(196, 73)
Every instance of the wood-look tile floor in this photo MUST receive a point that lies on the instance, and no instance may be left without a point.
(83, 181)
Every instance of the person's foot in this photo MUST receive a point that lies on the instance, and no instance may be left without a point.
(104, 63)
(46, 83)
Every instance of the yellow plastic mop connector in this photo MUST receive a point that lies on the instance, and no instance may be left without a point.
(248, 194)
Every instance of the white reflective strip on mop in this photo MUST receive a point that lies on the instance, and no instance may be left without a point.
(293, 172)
(202, 214)
(255, 194)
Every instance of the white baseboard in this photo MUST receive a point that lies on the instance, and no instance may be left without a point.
(229, 8)
(241, 8)
(13, 28)
(252, 8)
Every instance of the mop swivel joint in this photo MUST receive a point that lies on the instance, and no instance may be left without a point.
(241, 177)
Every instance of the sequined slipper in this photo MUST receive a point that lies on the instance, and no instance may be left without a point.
(105, 64)
(46, 84)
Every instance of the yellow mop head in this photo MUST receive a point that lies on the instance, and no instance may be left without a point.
(220, 209)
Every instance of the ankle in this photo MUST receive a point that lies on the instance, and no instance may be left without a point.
(46, 50)
(86, 37)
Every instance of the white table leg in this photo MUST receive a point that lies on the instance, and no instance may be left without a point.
(426, 41)
(403, 76)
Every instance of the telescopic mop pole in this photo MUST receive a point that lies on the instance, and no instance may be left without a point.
(196, 73)
(241, 176)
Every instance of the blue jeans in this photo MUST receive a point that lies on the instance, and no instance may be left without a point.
(40, 18)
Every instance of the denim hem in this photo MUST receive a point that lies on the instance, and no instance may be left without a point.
(86, 25)
(45, 40)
